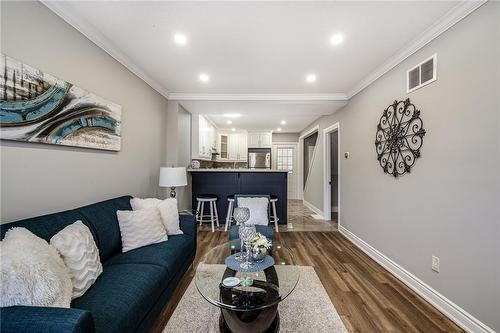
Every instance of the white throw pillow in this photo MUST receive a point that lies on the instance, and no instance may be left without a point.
(258, 206)
(77, 248)
(140, 228)
(168, 211)
(32, 273)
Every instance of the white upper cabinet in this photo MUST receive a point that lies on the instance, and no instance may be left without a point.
(207, 138)
(265, 140)
(259, 140)
(253, 140)
(236, 146)
(243, 147)
(233, 146)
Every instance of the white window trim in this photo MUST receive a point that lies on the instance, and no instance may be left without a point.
(420, 85)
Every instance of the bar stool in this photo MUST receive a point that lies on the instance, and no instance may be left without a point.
(213, 217)
(230, 210)
(274, 216)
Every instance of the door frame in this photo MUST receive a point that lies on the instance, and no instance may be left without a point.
(301, 158)
(327, 192)
(274, 156)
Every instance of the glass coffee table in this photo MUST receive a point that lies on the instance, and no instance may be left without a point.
(251, 305)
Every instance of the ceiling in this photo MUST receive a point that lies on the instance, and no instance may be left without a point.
(255, 48)
(263, 115)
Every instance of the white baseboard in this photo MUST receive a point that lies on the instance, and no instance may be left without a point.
(313, 208)
(461, 317)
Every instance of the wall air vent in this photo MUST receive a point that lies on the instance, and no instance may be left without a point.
(422, 74)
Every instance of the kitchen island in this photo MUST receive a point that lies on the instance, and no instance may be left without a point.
(225, 182)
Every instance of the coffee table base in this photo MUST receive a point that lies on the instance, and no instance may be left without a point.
(254, 327)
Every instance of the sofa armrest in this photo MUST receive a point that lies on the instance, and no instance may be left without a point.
(188, 224)
(37, 319)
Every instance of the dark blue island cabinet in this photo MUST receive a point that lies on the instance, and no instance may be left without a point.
(225, 182)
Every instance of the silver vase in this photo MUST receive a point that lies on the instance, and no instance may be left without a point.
(259, 253)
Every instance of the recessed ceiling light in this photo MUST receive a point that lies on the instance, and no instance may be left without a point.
(336, 39)
(233, 129)
(279, 129)
(283, 122)
(229, 122)
(180, 39)
(232, 115)
(204, 77)
(311, 78)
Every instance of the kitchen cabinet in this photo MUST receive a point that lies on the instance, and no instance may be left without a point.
(223, 146)
(207, 138)
(223, 182)
(259, 140)
(236, 145)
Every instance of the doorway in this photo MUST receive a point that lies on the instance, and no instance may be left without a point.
(331, 184)
(285, 158)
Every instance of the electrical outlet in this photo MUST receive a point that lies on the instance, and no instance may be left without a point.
(435, 264)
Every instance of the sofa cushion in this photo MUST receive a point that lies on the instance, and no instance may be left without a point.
(103, 221)
(122, 296)
(170, 254)
(77, 248)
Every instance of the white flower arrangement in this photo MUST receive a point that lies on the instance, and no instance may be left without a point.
(260, 241)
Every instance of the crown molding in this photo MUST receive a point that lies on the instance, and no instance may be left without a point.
(452, 17)
(257, 97)
(76, 21)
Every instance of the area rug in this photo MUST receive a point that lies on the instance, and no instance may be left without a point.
(307, 309)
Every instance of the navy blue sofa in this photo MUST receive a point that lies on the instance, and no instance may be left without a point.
(133, 287)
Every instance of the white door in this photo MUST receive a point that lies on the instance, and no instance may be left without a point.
(285, 158)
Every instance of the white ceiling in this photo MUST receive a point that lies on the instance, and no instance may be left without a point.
(264, 115)
(254, 47)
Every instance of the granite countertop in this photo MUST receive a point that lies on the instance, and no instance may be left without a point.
(233, 170)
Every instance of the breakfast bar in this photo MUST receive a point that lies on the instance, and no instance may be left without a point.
(225, 182)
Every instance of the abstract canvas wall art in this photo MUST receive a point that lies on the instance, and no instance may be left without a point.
(38, 107)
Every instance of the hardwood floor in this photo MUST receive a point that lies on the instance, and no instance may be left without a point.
(367, 297)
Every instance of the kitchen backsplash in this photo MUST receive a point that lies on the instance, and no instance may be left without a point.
(220, 164)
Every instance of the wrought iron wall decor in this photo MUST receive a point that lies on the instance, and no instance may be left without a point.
(399, 137)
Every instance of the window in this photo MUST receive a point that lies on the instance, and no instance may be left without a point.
(284, 160)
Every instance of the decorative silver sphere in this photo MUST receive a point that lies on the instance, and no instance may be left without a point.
(241, 214)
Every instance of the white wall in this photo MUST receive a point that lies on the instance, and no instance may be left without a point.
(449, 205)
(38, 179)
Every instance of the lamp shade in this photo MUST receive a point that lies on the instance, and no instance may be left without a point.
(172, 177)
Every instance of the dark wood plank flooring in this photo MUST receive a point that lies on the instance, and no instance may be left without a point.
(367, 297)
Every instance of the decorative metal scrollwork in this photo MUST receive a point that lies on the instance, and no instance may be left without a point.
(399, 137)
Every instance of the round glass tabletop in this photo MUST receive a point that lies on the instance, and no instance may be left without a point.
(251, 290)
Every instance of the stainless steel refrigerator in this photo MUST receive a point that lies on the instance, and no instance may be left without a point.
(259, 158)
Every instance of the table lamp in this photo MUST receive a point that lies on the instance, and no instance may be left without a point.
(172, 177)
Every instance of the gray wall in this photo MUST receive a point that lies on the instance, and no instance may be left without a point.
(184, 154)
(449, 205)
(310, 145)
(285, 137)
(39, 179)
